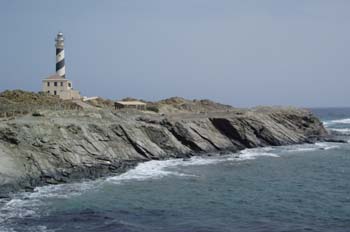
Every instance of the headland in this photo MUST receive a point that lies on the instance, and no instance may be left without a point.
(46, 140)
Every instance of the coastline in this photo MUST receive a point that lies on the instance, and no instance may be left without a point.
(60, 147)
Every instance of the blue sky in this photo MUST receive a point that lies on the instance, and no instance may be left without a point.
(244, 53)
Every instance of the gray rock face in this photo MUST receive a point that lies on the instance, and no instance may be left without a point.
(66, 146)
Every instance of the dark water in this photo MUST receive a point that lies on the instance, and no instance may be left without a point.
(292, 188)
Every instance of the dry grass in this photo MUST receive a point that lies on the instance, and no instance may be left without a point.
(15, 102)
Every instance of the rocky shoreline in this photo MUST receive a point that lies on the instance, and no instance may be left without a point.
(54, 147)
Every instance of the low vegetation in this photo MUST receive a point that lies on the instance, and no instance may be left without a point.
(152, 108)
(101, 103)
(17, 102)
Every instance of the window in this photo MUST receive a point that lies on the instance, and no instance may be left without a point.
(69, 85)
(48, 91)
(61, 83)
(55, 84)
(55, 92)
(48, 83)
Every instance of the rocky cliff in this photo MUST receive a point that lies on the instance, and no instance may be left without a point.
(60, 146)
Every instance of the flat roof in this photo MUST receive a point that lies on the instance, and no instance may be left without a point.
(55, 77)
(126, 103)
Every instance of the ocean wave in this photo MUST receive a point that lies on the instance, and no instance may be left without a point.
(303, 149)
(337, 121)
(28, 229)
(309, 147)
(29, 204)
(250, 154)
(158, 169)
(37, 229)
(344, 131)
(327, 146)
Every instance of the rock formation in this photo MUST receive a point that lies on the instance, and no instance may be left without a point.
(63, 146)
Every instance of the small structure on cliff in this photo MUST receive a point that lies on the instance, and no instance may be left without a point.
(57, 84)
(130, 105)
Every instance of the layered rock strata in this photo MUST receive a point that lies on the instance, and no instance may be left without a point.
(58, 147)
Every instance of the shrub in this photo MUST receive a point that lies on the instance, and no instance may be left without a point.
(152, 108)
(37, 114)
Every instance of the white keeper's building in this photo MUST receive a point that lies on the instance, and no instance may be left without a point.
(57, 84)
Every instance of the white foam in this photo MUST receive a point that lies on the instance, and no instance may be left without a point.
(28, 228)
(337, 121)
(344, 121)
(29, 204)
(310, 147)
(156, 169)
(250, 154)
(17, 208)
(62, 190)
(5, 229)
(147, 170)
(326, 146)
(344, 131)
(303, 149)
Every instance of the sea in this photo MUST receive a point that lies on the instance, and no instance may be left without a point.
(286, 189)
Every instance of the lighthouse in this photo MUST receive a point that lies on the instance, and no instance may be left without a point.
(60, 66)
(57, 84)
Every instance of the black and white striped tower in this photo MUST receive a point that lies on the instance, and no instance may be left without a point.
(60, 67)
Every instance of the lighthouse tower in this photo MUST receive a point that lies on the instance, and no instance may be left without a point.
(60, 67)
(57, 84)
